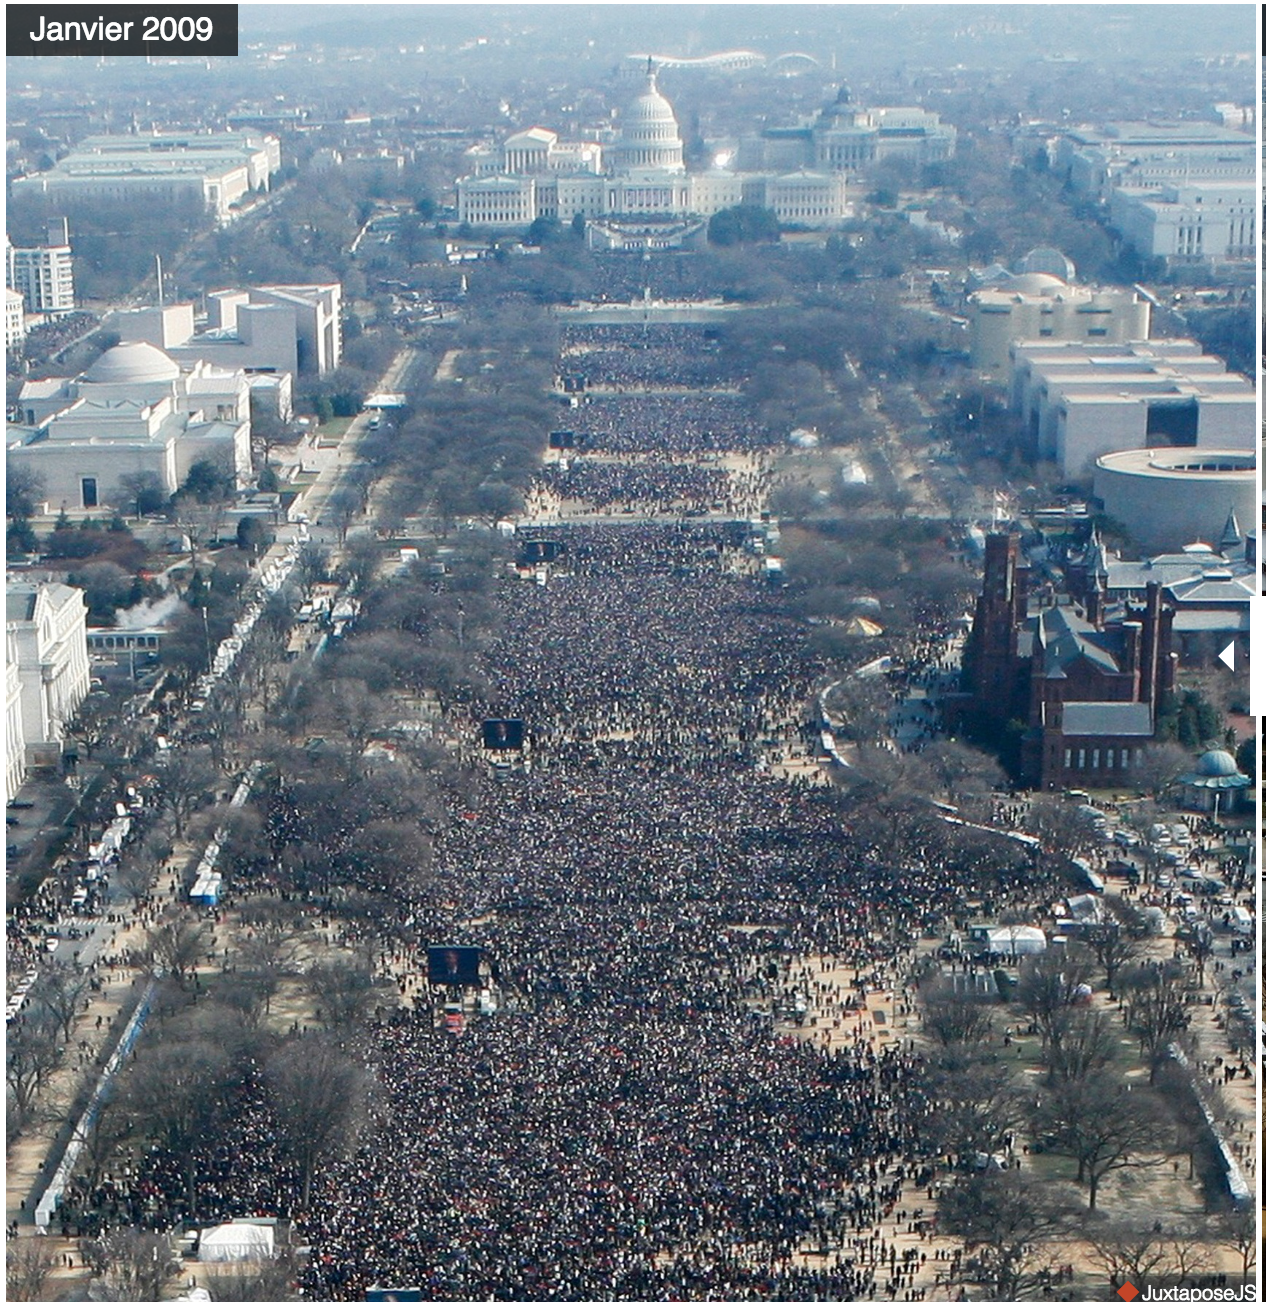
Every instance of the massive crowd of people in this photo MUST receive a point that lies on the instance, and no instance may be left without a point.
(635, 1122)
(646, 356)
(673, 424)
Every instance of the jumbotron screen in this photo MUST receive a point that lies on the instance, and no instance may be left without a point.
(455, 965)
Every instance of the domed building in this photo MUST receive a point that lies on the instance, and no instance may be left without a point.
(1216, 785)
(132, 364)
(641, 195)
(134, 411)
(650, 134)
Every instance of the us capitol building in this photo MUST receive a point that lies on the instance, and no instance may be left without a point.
(627, 189)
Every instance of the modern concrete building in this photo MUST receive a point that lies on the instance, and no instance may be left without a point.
(134, 411)
(46, 639)
(1213, 221)
(43, 275)
(1170, 497)
(214, 169)
(1096, 160)
(267, 329)
(1081, 401)
(1035, 306)
(14, 320)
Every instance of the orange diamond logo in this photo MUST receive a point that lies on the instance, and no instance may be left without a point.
(1127, 1291)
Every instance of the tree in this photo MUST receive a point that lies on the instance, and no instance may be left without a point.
(61, 992)
(1012, 1223)
(111, 1127)
(185, 781)
(1239, 1231)
(312, 566)
(145, 491)
(318, 1095)
(952, 1017)
(29, 1266)
(1085, 1045)
(175, 945)
(270, 1280)
(1104, 1125)
(1132, 1256)
(107, 587)
(1161, 765)
(141, 868)
(962, 770)
(1200, 946)
(95, 719)
(1155, 996)
(497, 501)
(743, 224)
(24, 491)
(1062, 828)
(342, 505)
(32, 1056)
(251, 535)
(172, 1091)
(1049, 985)
(344, 990)
(208, 482)
(1114, 947)
(134, 1265)
(974, 1107)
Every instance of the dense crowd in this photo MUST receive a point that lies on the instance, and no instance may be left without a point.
(673, 424)
(616, 485)
(653, 356)
(633, 1123)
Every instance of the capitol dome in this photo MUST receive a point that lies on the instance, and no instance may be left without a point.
(133, 363)
(650, 134)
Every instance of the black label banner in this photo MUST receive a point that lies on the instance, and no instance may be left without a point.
(95, 30)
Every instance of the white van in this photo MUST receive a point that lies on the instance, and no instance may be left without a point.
(1241, 922)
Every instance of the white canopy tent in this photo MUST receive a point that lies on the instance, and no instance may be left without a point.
(1016, 940)
(235, 1242)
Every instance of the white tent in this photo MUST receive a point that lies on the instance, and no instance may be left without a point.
(1016, 940)
(236, 1243)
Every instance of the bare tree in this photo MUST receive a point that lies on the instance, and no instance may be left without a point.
(112, 1126)
(1103, 1124)
(185, 781)
(1239, 1231)
(29, 1265)
(975, 1108)
(32, 1056)
(1012, 1223)
(144, 489)
(174, 946)
(345, 991)
(171, 1091)
(134, 1265)
(953, 1017)
(1199, 944)
(269, 1280)
(1084, 1045)
(1155, 1007)
(319, 1094)
(61, 991)
(1112, 944)
(1132, 1256)
(1048, 987)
